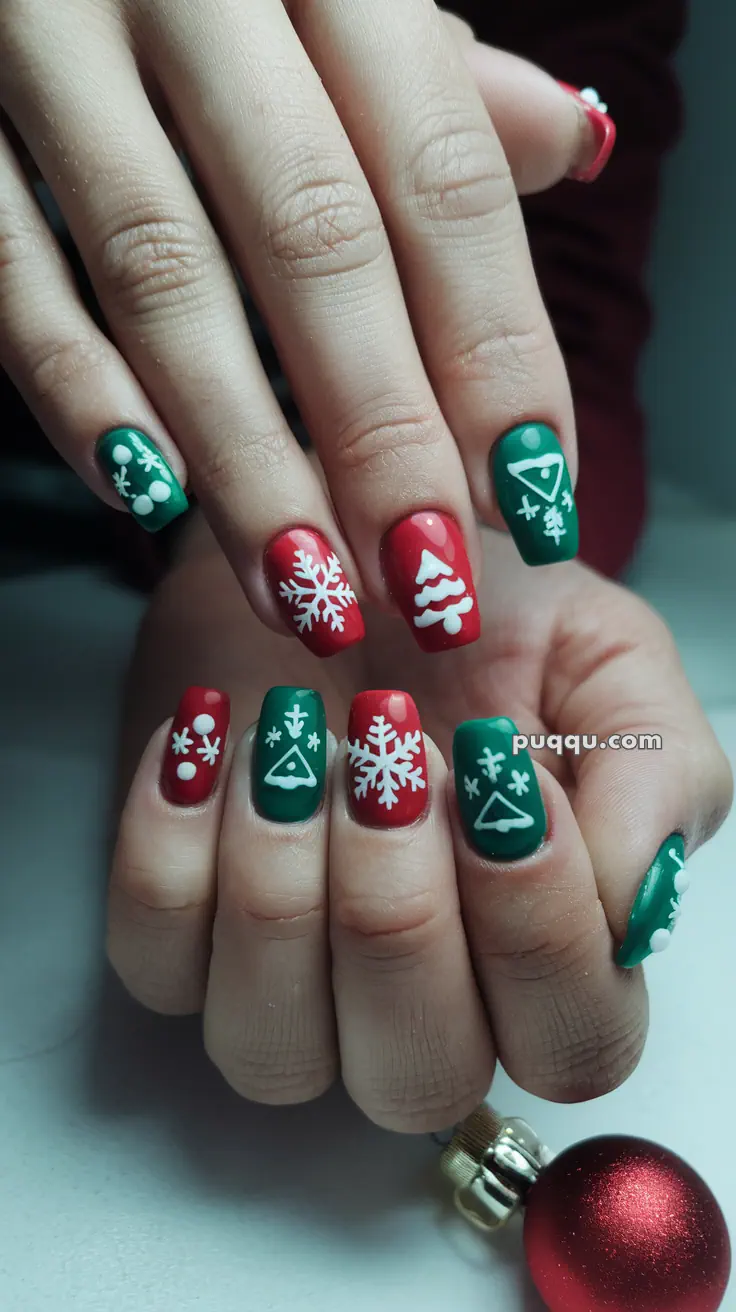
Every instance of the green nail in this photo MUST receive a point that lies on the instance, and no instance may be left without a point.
(498, 794)
(657, 907)
(290, 755)
(534, 493)
(141, 477)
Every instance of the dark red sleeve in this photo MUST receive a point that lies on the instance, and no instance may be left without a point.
(591, 243)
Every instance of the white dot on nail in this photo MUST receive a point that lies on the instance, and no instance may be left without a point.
(142, 505)
(203, 724)
(660, 940)
(122, 455)
(159, 491)
(186, 770)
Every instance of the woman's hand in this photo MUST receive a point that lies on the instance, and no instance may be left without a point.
(359, 165)
(435, 939)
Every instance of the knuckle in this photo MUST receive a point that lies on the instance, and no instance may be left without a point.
(149, 263)
(458, 176)
(423, 1100)
(322, 227)
(226, 466)
(570, 1068)
(278, 914)
(58, 366)
(390, 930)
(379, 443)
(268, 1072)
(501, 347)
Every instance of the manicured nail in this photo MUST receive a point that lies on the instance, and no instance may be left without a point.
(290, 755)
(387, 763)
(597, 152)
(428, 574)
(141, 477)
(499, 798)
(534, 494)
(656, 910)
(312, 593)
(196, 746)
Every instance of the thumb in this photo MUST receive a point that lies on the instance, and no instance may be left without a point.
(548, 131)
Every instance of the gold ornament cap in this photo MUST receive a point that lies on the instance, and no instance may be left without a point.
(493, 1162)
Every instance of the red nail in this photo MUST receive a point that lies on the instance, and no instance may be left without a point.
(196, 746)
(604, 129)
(428, 574)
(387, 763)
(313, 595)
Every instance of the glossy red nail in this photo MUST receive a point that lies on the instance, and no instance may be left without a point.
(313, 595)
(387, 763)
(603, 127)
(196, 746)
(427, 571)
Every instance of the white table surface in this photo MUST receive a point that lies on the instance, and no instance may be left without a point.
(131, 1177)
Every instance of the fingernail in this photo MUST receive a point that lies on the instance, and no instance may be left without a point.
(657, 907)
(196, 746)
(428, 574)
(534, 493)
(141, 477)
(601, 137)
(311, 591)
(290, 755)
(498, 795)
(387, 763)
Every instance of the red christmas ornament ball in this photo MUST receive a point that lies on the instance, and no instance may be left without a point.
(618, 1224)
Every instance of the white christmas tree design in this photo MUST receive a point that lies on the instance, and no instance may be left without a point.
(318, 593)
(386, 762)
(505, 815)
(292, 769)
(543, 476)
(450, 585)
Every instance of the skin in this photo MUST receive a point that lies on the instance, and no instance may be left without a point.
(442, 962)
(374, 217)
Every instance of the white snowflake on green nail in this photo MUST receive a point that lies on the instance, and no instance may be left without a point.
(313, 741)
(150, 460)
(471, 787)
(273, 736)
(490, 763)
(519, 782)
(121, 481)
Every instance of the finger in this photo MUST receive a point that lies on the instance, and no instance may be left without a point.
(642, 808)
(269, 1021)
(304, 227)
(452, 214)
(162, 887)
(567, 1023)
(71, 376)
(171, 299)
(415, 1049)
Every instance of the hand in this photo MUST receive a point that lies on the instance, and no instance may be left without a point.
(443, 957)
(347, 164)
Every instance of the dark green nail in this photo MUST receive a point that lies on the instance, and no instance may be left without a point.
(534, 493)
(290, 755)
(141, 477)
(498, 794)
(657, 907)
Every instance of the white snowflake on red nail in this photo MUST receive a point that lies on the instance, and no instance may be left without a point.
(318, 593)
(181, 742)
(210, 751)
(386, 762)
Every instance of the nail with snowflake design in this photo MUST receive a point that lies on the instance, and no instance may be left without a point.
(141, 477)
(498, 794)
(428, 574)
(657, 907)
(312, 593)
(196, 746)
(290, 761)
(387, 763)
(534, 494)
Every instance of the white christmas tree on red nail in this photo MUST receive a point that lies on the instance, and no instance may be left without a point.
(450, 586)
